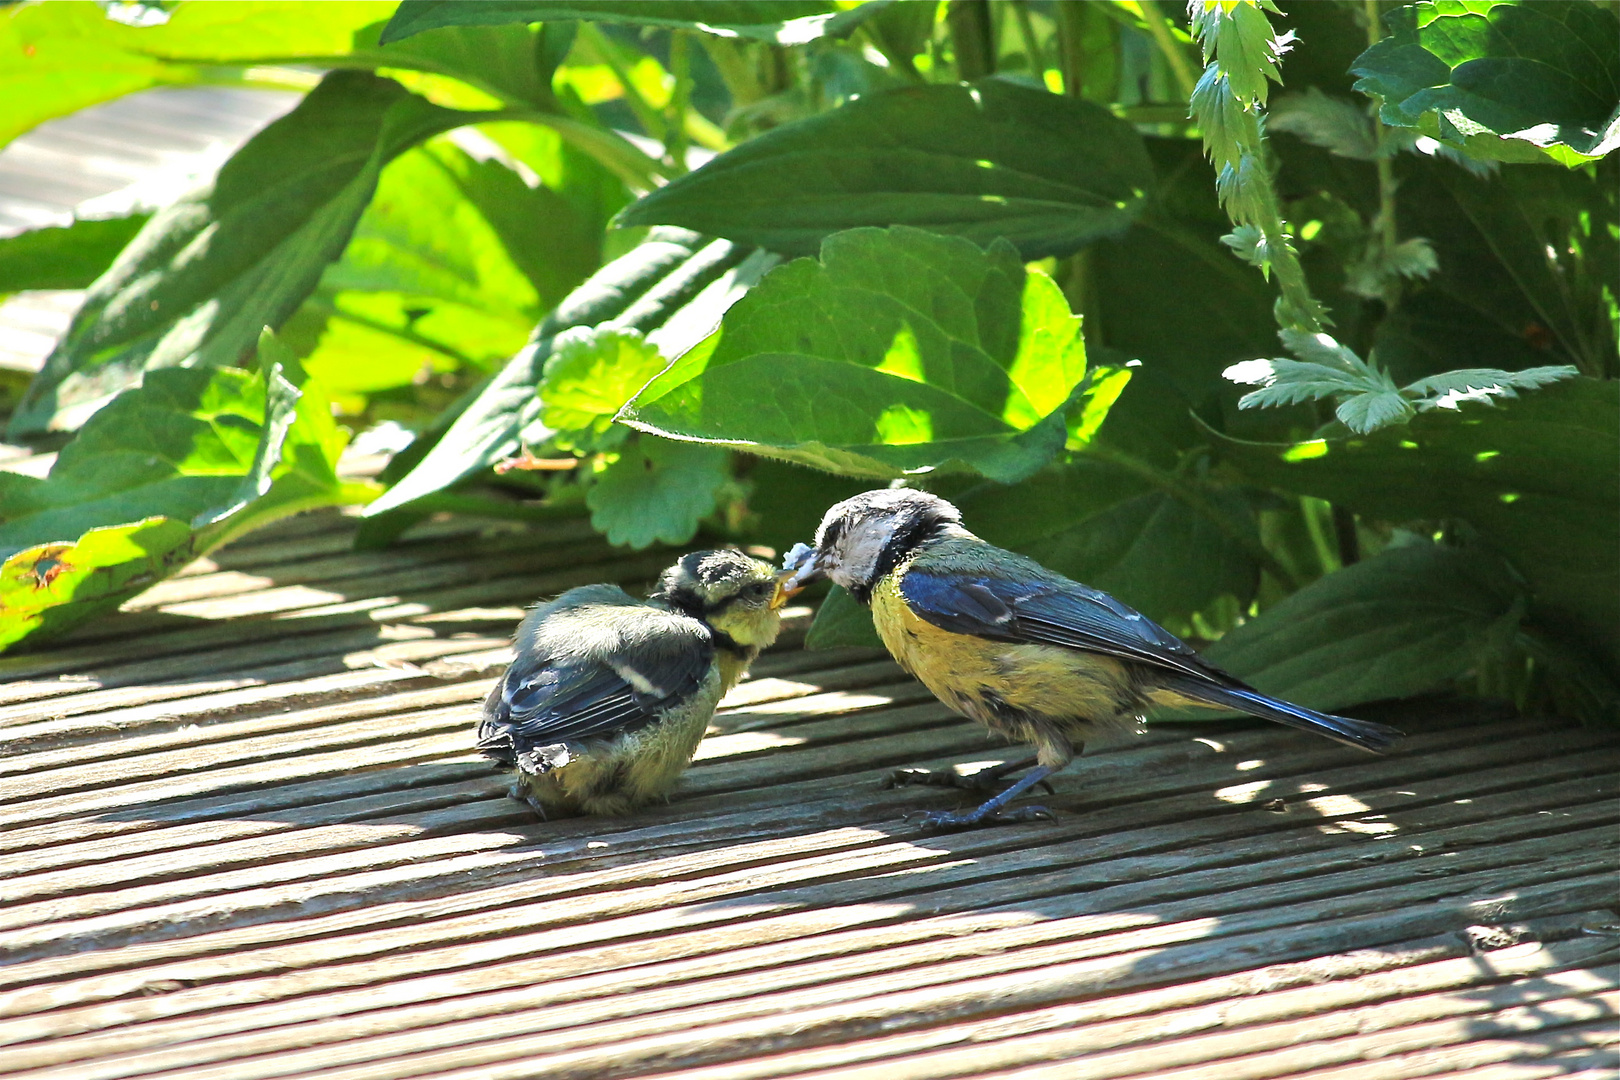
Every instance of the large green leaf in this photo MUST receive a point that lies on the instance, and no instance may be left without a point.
(899, 352)
(657, 491)
(1112, 529)
(1534, 476)
(444, 269)
(206, 274)
(170, 469)
(994, 159)
(1525, 259)
(1409, 620)
(1501, 77)
(59, 57)
(787, 22)
(642, 290)
(65, 257)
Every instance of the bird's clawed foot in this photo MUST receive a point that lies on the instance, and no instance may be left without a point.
(989, 779)
(943, 821)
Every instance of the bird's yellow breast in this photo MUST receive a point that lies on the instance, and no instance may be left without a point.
(990, 681)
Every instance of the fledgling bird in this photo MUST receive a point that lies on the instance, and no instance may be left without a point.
(608, 696)
(1028, 653)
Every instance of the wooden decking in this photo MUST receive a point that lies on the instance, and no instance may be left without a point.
(242, 835)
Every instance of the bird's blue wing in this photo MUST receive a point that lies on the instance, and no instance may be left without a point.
(1047, 612)
(544, 699)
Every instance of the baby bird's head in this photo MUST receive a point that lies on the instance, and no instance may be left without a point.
(864, 537)
(733, 593)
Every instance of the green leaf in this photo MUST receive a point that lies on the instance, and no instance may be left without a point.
(899, 352)
(592, 373)
(50, 588)
(1533, 476)
(842, 622)
(667, 276)
(69, 54)
(786, 22)
(1412, 619)
(1336, 124)
(1529, 254)
(206, 274)
(1115, 530)
(444, 270)
(70, 257)
(980, 161)
(1501, 78)
(657, 492)
(169, 470)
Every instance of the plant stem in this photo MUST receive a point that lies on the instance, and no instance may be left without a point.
(735, 70)
(1389, 234)
(1071, 46)
(1158, 25)
(973, 38)
(646, 115)
(1026, 30)
(680, 64)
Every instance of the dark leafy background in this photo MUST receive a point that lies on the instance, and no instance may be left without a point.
(697, 271)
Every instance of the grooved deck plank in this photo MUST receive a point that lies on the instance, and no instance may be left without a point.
(243, 835)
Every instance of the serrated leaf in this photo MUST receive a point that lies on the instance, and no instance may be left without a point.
(1337, 125)
(207, 274)
(1501, 78)
(1408, 621)
(673, 278)
(657, 492)
(1534, 477)
(1321, 349)
(975, 161)
(899, 351)
(1449, 389)
(592, 373)
(167, 471)
(68, 257)
(1371, 411)
(785, 22)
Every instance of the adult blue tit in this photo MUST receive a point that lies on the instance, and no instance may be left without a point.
(1032, 655)
(608, 696)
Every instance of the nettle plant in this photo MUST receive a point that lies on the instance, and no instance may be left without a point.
(699, 269)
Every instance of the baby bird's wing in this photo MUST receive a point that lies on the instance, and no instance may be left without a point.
(593, 671)
(1048, 610)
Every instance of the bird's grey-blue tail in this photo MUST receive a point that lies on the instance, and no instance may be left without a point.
(1363, 733)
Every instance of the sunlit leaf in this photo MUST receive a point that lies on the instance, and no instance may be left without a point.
(657, 492)
(977, 161)
(899, 351)
(207, 274)
(1500, 77)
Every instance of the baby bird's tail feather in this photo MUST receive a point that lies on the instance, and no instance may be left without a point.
(1361, 733)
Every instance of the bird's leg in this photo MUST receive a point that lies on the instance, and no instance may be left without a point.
(993, 811)
(982, 780)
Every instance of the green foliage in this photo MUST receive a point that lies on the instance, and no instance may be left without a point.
(1533, 477)
(203, 277)
(65, 257)
(657, 490)
(1413, 619)
(1501, 80)
(899, 352)
(975, 161)
(787, 22)
(1426, 498)
(181, 464)
(1368, 398)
